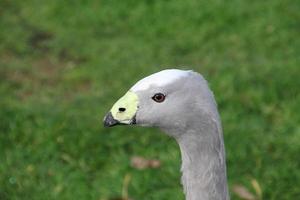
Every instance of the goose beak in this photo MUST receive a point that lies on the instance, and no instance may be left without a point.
(123, 111)
(109, 120)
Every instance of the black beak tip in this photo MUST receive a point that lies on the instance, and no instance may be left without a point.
(109, 120)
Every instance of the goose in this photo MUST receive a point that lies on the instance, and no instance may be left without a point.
(180, 103)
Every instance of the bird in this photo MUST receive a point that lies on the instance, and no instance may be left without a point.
(181, 104)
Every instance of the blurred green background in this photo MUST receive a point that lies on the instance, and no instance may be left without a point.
(64, 63)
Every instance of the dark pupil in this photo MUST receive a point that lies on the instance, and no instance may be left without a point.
(159, 97)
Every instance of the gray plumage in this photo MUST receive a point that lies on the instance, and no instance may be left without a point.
(188, 114)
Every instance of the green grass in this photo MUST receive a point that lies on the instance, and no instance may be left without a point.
(64, 63)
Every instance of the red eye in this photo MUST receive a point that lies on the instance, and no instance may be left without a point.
(159, 97)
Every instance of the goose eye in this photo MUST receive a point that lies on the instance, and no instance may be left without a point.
(159, 97)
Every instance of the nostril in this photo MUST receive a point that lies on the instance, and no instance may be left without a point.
(122, 109)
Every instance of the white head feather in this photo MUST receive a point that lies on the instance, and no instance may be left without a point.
(159, 79)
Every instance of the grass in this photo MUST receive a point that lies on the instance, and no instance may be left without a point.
(64, 63)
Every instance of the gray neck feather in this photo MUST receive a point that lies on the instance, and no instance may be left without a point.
(203, 159)
(192, 119)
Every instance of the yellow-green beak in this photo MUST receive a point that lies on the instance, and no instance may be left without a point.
(123, 111)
